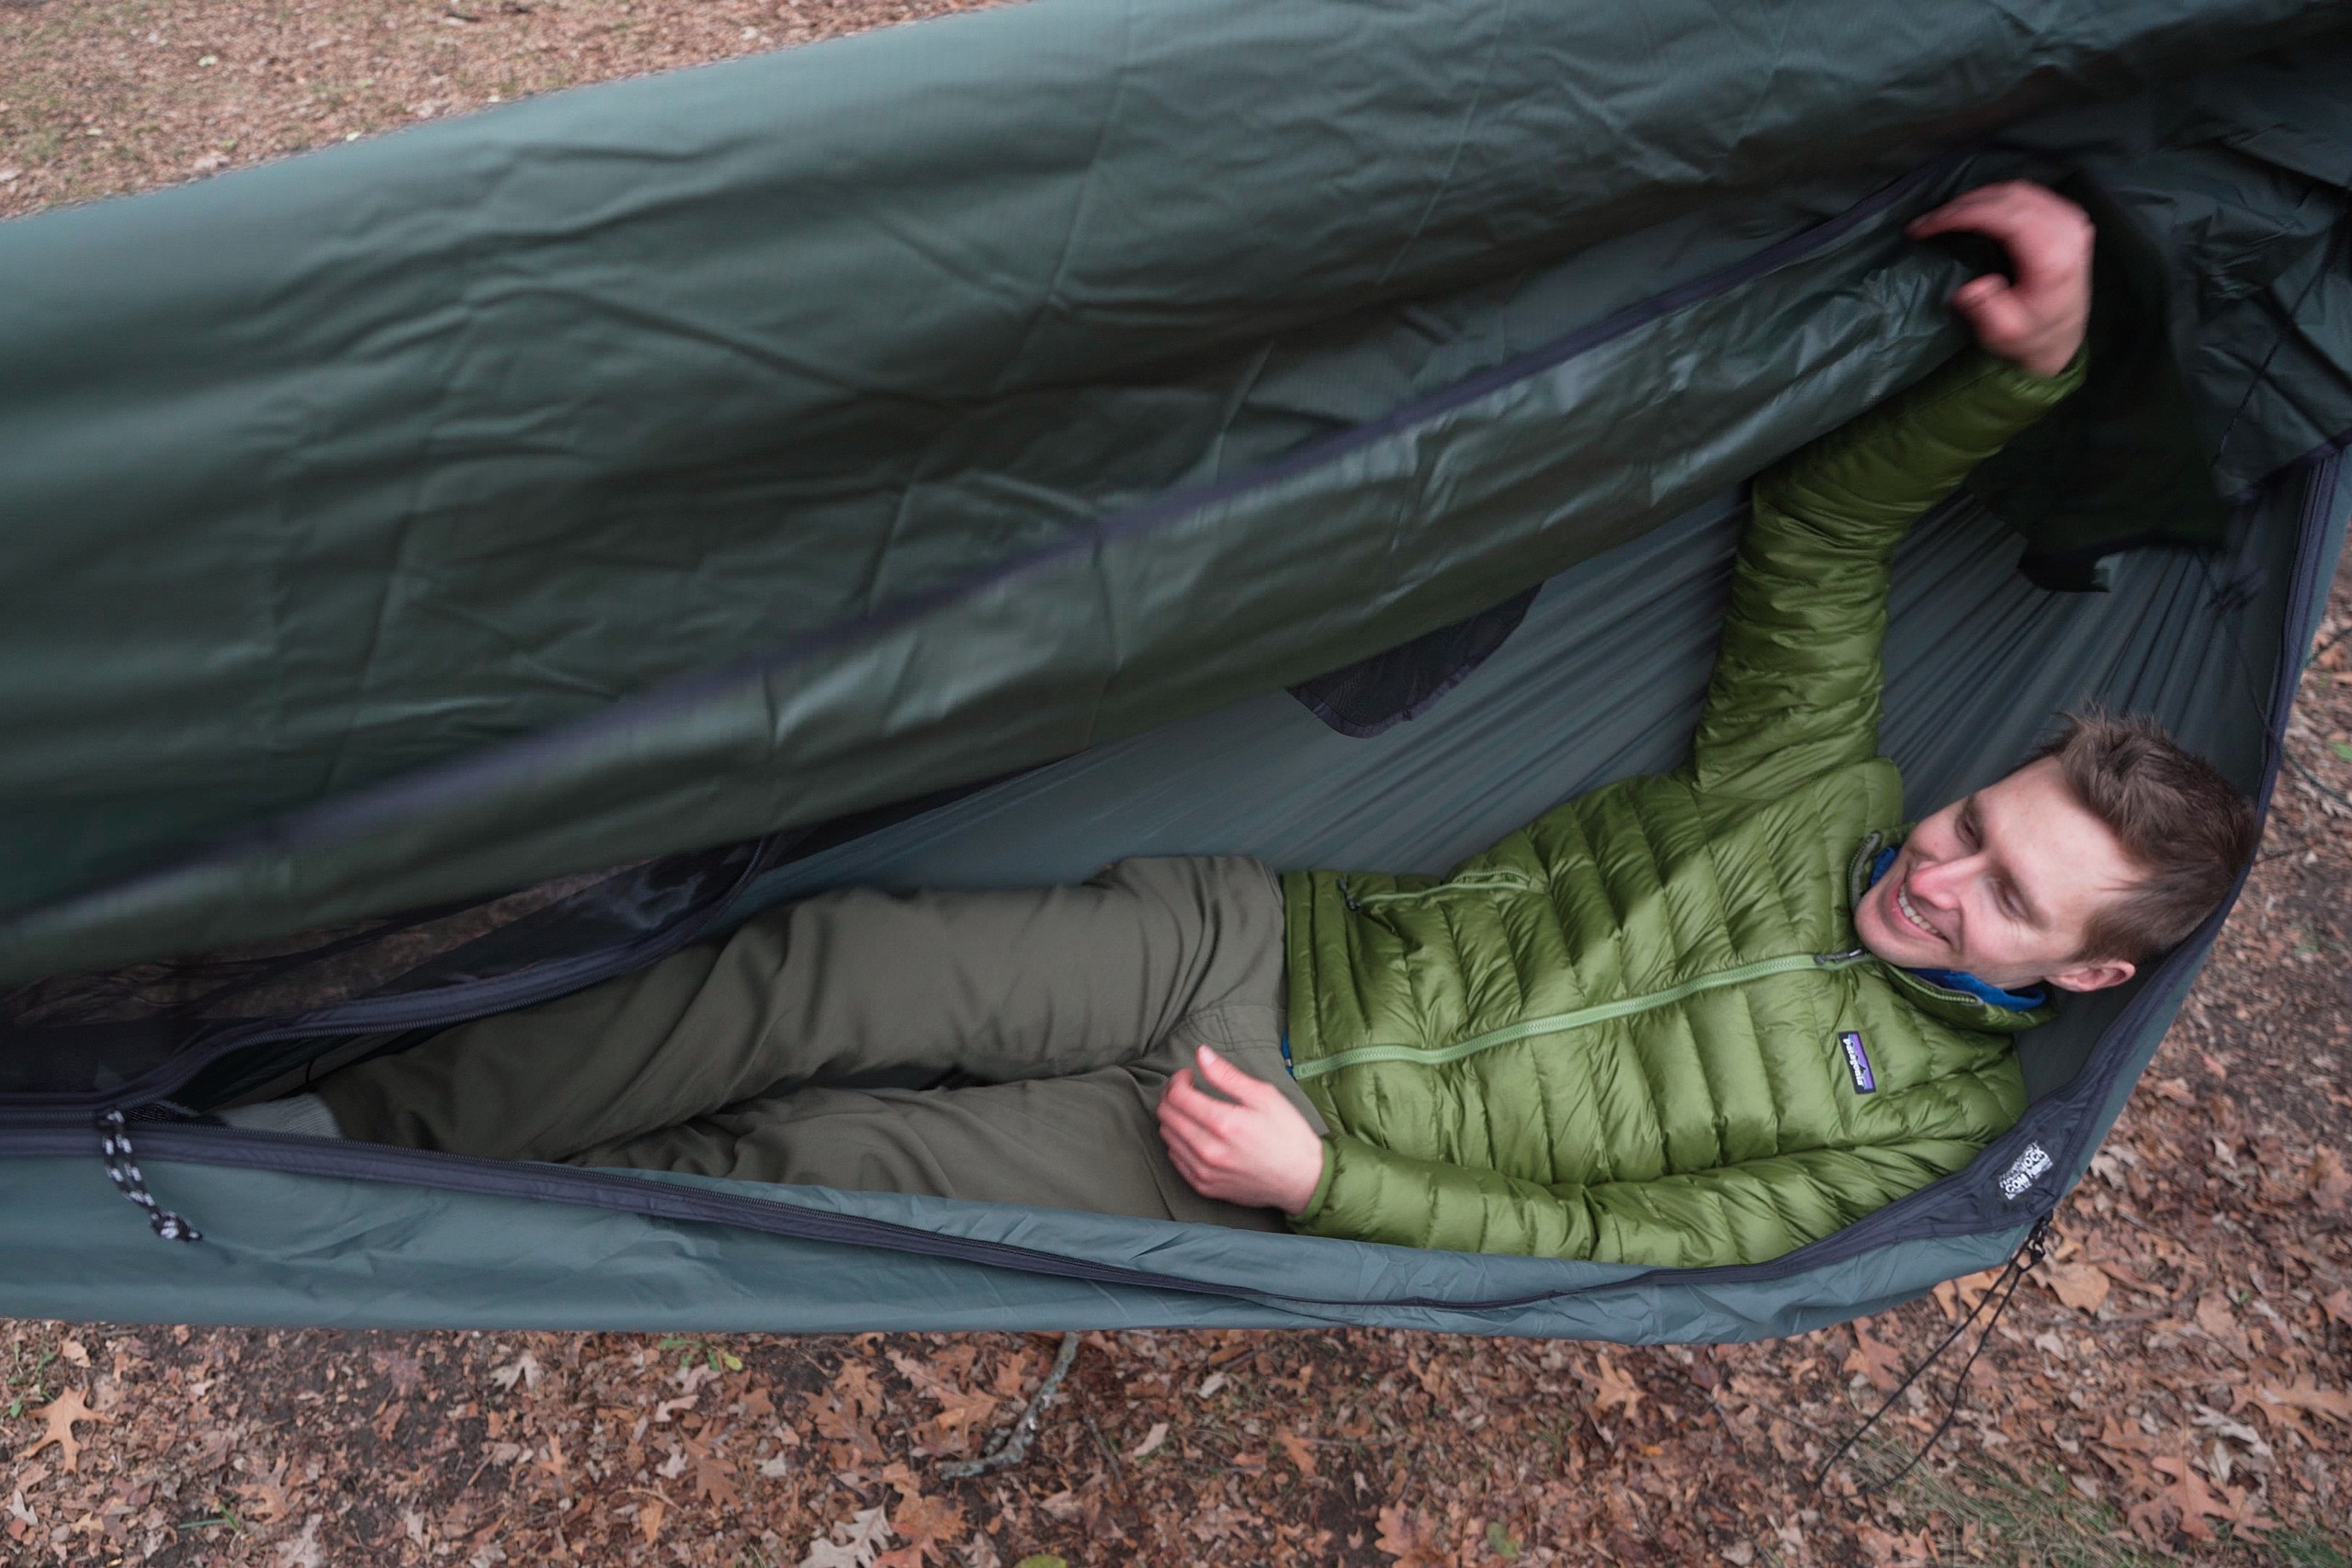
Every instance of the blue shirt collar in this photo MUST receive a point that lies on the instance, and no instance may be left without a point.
(1959, 979)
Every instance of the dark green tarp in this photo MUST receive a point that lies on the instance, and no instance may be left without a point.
(642, 470)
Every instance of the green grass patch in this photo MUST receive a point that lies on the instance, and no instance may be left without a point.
(2299, 1548)
(2021, 1524)
(2046, 1523)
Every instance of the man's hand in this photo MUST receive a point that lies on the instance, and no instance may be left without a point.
(1251, 1147)
(2038, 322)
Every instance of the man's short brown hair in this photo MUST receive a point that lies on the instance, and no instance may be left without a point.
(2190, 831)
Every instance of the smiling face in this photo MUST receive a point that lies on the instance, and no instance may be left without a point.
(2002, 884)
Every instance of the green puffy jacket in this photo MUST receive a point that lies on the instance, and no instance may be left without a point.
(1617, 1035)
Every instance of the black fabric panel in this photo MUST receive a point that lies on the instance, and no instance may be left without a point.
(1369, 696)
(2119, 463)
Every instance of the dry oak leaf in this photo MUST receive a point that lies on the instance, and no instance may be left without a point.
(2333, 1403)
(2339, 1306)
(855, 1544)
(1294, 1447)
(854, 1384)
(960, 1414)
(1873, 1358)
(2329, 1183)
(649, 1517)
(2118, 1441)
(2082, 1286)
(930, 1526)
(1011, 1376)
(1897, 1550)
(552, 1463)
(2146, 1519)
(2122, 1275)
(1954, 1297)
(958, 1409)
(2214, 1315)
(524, 1369)
(1402, 1538)
(2188, 1496)
(61, 1414)
(846, 1427)
(1616, 1388)
(402, 1371)
(266, 1499)
(714, 1475)
(306, 1550)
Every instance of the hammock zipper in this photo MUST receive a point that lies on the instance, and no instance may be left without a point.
(1561, 1022)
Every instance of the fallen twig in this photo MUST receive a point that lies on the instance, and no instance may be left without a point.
(1118, 1470)
(1013, 1446)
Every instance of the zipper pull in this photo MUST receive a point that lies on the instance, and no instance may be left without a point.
(122, 1169)
(1839, 960)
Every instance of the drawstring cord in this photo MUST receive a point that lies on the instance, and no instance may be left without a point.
(1492, 881)
(122, 1169)
(2021, 1262)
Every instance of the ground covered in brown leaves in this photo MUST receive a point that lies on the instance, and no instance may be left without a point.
(98, 97)
(2176, 1383)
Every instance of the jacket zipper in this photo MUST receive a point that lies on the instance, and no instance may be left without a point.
(1561, 1022)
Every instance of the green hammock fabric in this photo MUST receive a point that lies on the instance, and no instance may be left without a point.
(1031, 396)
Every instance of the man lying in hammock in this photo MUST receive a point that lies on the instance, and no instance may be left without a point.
(1692, 1019)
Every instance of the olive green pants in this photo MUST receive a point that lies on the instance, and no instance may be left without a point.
(1062, 1011)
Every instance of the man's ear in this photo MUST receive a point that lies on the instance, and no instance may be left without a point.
(2093, 976)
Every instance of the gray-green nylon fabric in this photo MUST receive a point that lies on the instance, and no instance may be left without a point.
(320, 481)
(450, 441)
(1719, 1124)
(347, 1247)
(301, 1249)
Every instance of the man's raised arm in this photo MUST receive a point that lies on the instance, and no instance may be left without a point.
(1795, 690)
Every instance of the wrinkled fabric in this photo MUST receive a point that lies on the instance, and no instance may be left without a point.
(1726, 1126)
(673, 461)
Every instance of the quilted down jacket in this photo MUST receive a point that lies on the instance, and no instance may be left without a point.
(1640, 1028)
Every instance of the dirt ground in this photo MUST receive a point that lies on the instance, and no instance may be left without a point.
(98, 97)
(2177, 1383)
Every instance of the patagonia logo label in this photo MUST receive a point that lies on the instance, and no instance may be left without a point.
(1858, 1062)
(2024, 1171)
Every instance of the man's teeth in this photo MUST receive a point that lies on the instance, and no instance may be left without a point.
(1902, 902)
